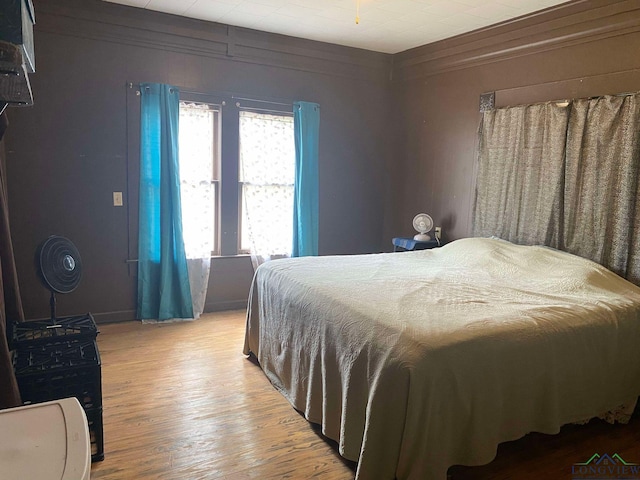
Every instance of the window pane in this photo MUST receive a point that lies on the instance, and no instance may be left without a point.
(267, 219)
(267, 171)
(267, 149)
(198, 150)
(198, 218)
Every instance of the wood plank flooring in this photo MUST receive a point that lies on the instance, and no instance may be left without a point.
(182, 402)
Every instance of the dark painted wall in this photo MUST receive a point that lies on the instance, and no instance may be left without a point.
(68, 153)
(578, 50)
(388, 149)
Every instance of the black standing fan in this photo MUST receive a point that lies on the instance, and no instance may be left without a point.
(60, 268)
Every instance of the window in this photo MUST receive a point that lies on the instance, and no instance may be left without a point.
(237, 169)
(199, 150)
(266, 178)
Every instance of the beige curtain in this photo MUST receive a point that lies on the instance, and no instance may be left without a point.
(520, 174)
(601, 201)
(566, 177)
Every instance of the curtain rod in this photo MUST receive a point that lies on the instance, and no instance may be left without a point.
(131, 85)
(566, 101)
(285, 113)
(234, 97)
(262, 101)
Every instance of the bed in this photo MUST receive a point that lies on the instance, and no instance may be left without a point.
(413, 362)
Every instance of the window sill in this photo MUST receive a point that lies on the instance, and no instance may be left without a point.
(221, 257)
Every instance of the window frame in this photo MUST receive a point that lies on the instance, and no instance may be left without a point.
(229, 198)
(216, 165)
(251, 107)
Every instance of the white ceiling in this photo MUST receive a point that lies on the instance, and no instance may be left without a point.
(388, 26)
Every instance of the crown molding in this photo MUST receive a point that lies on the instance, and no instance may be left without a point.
(572, 23)
(109, 22)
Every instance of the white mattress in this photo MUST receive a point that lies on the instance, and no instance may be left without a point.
(417, 361)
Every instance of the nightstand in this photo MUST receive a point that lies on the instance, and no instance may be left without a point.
(403, 244)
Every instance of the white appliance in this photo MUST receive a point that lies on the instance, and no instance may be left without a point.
(423, 224)
(45, 441)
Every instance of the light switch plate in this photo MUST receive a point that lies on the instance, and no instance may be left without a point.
(117, 199)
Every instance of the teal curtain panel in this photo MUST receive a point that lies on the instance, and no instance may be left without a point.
(163, 280)
(306, 119)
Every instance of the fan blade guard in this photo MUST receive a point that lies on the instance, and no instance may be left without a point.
(59, 264)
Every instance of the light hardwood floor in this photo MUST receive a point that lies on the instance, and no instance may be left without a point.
(181, 401)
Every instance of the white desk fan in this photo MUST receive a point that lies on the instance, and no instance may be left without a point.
(423, 224)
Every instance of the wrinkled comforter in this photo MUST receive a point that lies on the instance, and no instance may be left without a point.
(417, 361)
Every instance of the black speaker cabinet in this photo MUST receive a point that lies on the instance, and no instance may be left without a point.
(16, 26)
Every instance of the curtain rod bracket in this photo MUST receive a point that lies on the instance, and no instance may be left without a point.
(487, 101)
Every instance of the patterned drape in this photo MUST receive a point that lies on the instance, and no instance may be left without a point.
(197, 189)
(566, 176)
(267, 172)
(602, 198)
(520, 171)
(197, 196)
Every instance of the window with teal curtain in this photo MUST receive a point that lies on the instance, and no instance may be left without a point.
(163, 281)
(306, 120)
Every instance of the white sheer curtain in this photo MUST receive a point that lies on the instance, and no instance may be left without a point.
(267, 173)
(198, 192)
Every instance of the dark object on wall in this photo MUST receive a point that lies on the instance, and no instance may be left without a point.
(15, 88)
(66, 367)
(487, 101)
(17, 57)
(17, 18)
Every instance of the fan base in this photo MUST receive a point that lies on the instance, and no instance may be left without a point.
(422, 237)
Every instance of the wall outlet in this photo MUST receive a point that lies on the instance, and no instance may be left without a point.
(117, 199)
(438, 233)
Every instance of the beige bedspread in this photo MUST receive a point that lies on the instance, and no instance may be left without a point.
(417, 361)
